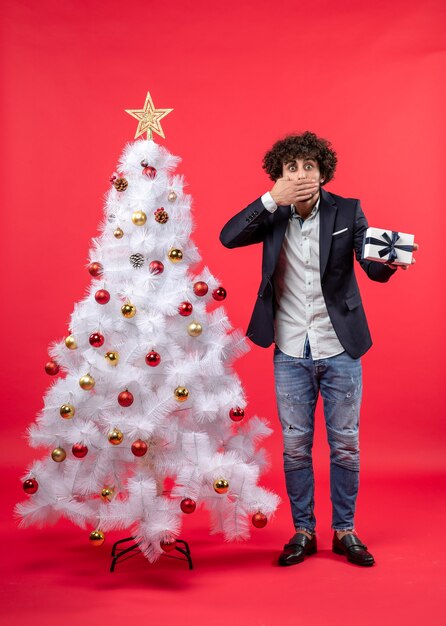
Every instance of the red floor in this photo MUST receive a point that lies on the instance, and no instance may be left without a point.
(54, 576)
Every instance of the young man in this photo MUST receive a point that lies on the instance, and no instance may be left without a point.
(309, 304)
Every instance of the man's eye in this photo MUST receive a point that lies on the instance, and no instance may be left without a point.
(308, 166)
(292, 168)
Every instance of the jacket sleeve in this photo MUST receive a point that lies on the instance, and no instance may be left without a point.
(374, 270)
(246, 227)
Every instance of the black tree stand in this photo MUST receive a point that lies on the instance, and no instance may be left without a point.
(120, 554)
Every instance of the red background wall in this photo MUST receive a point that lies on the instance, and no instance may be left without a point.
(239, 76)
(368, 76)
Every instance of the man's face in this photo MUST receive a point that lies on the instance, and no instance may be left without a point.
(300, 169)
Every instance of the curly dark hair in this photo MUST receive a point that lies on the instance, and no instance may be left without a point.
(307, 145)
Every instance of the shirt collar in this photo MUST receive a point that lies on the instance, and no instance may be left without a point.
(295, 214)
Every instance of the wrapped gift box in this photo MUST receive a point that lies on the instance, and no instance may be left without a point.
(387, 246)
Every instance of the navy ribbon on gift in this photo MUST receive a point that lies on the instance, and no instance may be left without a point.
(392, 246)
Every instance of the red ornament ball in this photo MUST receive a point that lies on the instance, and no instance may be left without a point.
(185, 309)
(95, 269)
(96, 340)
(125, 398)
(200, 288)
(30, 486)
(156, 267)
(52, 368)
(237, 414)
(259, 520)
(139, 447)
(153, 358)
(219, 294)
(102, 296)
(149, 171)
(79, 450)
(168, 545)
(188, 505)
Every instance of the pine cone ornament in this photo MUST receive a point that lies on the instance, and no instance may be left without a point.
(137, 260)
(120, 184)
(161, 216)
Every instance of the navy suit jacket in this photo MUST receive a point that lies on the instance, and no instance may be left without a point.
(255, 224)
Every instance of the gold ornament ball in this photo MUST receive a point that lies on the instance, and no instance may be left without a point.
(181, 394)
(118, 233)
(194, 329)
(115, 436)
(128, 310)
(139, 218)
(112, 358)
(175, 255)
(221, 485)
(87, 382)
(67, 411)
(97, 537)
(58, 455)
(70, 342)
(107, 494)
(172, 196)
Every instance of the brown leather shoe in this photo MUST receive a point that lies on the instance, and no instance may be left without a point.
(297, 549)
(352, 547)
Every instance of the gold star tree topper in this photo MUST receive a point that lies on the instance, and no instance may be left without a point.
(149, 118)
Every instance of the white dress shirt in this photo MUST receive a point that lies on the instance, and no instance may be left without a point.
(299, 302)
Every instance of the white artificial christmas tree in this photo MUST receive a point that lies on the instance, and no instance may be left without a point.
(148, 392)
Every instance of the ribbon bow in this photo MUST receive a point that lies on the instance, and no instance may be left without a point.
(392, 246)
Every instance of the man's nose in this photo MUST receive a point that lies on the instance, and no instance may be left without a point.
(300, 173)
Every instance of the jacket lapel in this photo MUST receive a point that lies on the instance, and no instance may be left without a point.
(327, 209)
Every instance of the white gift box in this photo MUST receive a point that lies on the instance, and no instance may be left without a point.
(382, 245)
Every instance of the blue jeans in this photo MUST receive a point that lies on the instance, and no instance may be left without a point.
(298, 382)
